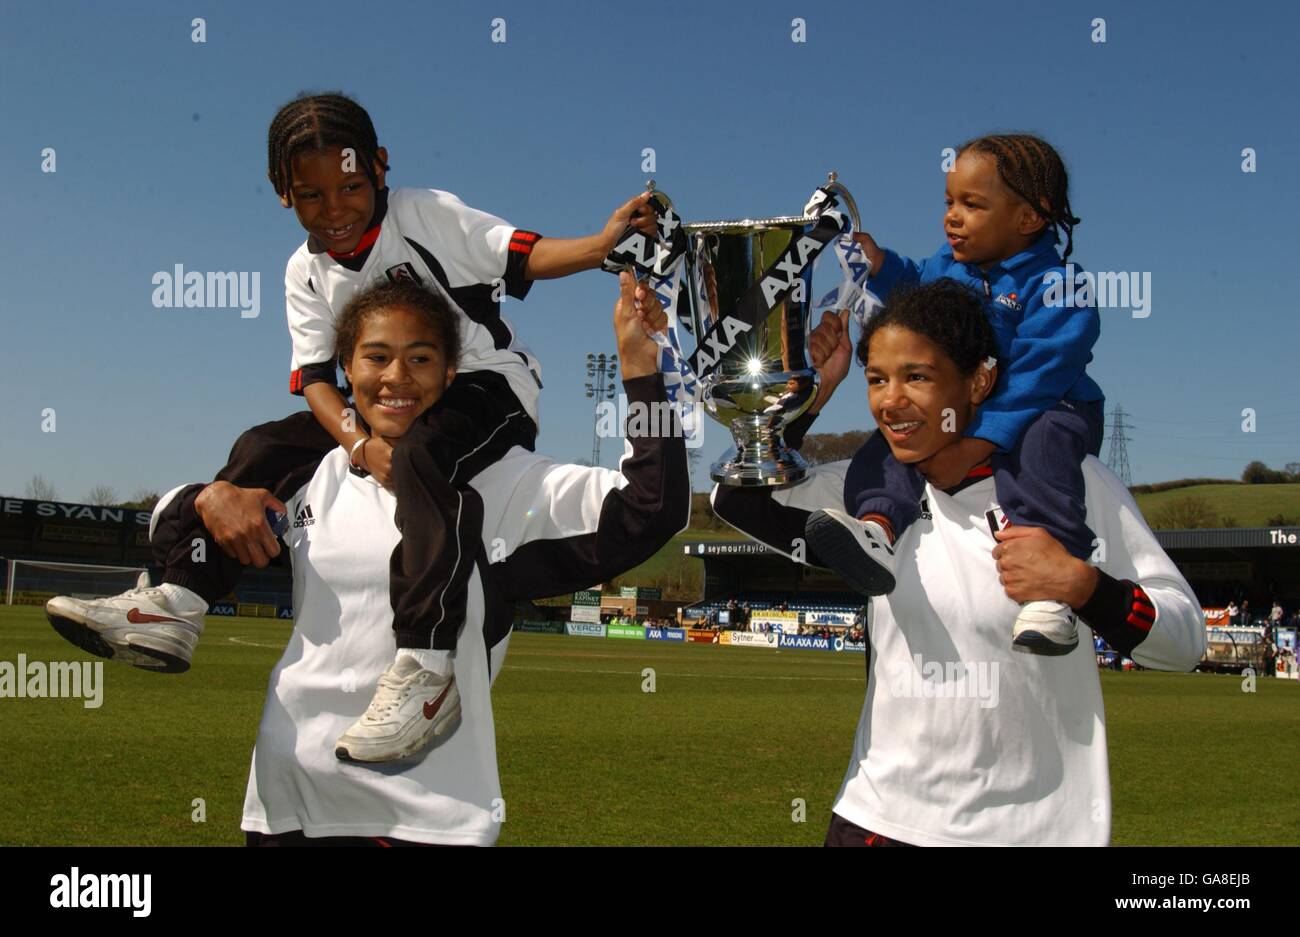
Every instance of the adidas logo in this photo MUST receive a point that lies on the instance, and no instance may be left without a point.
(304, 517)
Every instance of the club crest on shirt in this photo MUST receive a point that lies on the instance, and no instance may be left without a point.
(403, 271)
(1009, 300)
(997, 518)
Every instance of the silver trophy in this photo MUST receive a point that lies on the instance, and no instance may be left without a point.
(749, 294)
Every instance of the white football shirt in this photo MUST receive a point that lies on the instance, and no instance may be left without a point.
(436, 238)
(961, 740)
(341, 540)
(548, 528)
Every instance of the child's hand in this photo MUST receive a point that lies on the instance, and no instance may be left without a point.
(377, 459)
(873, 251)
(950, 465)
(635, 212)
(831, 352)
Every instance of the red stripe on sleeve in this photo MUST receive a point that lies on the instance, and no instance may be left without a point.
(521, 242)
(1143, 613)
(1139, 623)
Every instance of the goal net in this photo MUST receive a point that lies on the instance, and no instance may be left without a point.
(35, 582)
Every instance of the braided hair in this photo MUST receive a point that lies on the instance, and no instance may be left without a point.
(1031, 168)
(316, 122)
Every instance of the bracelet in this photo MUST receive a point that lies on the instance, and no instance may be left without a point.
(359, 444)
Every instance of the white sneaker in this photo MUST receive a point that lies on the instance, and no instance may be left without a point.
(143, 626)
(412, 708)
(858, 550)
(1046, 628)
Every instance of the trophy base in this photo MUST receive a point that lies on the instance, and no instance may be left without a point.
(770, 469)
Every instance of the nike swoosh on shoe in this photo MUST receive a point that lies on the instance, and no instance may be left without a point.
(431, 707)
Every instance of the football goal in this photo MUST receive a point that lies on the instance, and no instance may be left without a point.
(34, 582)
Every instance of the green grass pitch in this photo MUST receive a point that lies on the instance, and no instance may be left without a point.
(716, 755)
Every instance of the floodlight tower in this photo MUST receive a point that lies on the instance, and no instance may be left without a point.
(600, 386)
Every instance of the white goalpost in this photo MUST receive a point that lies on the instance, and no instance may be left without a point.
(34, 581)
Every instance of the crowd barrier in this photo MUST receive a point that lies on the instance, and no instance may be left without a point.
(586, 629)
(771, 640)
(665, 634)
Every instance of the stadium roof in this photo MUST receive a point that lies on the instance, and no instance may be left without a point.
(1229, 537)
(1208, 538)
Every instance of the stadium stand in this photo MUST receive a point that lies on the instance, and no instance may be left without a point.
(61, 532)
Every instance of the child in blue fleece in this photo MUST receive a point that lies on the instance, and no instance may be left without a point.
(1007, 198)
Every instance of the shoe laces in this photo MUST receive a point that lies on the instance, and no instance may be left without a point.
(151, 593)
(392, 693)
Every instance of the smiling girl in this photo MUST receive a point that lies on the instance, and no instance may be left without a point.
(556, 527)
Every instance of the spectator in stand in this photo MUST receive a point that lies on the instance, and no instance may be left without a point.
(1275, 615)
(1233, 612)
(1245, 613)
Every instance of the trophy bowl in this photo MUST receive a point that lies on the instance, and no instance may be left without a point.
(749, 297)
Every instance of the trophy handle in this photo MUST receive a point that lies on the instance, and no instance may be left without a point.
(660, 197)
(834, 185)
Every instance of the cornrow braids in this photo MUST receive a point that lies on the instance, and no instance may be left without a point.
(1031, 167)
(318, 122)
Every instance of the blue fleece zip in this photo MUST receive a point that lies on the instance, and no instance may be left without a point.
(1044, 350)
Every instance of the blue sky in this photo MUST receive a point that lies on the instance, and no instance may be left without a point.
(160, 149)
